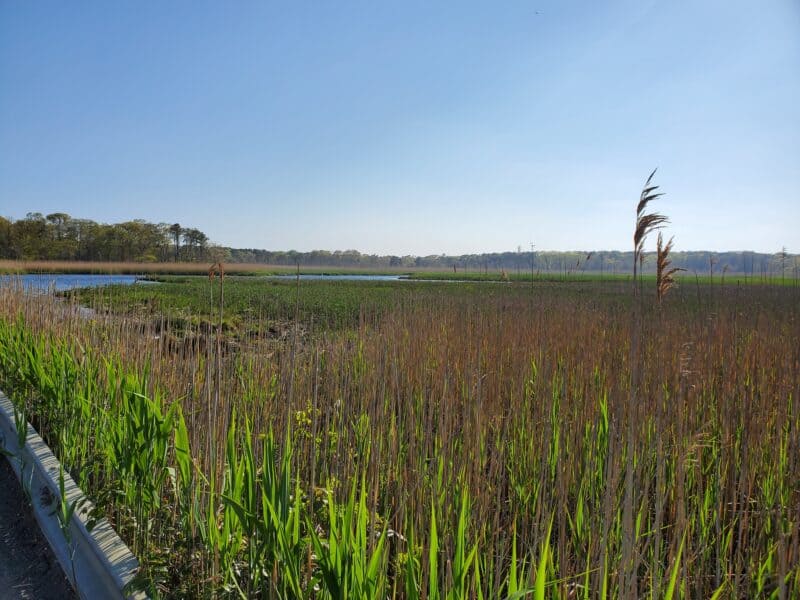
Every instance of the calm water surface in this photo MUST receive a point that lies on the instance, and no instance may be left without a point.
(323, 277)
(59, 283)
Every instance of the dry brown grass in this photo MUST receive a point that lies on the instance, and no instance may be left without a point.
(181, 268)
(132, 268)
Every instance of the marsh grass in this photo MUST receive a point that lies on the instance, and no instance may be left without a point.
(458, 444)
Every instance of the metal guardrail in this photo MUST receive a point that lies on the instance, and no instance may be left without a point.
(96, 561)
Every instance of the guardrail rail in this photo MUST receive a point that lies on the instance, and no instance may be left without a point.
(96, 561)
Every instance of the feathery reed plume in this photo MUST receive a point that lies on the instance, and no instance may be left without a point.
(664, 274)
(216, 269)
(646, 223)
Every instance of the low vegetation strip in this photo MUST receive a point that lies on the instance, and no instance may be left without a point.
(123, 267)
(456, 444)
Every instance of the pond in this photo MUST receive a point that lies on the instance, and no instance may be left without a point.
(44, 282)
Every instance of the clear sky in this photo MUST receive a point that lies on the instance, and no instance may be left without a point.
(407, 127)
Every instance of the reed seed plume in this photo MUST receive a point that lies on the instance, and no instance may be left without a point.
(664, 274)
(647, 193)
(646, 223)
(216, 269)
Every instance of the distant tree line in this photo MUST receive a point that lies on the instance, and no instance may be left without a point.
(58, 236)
(611, 262)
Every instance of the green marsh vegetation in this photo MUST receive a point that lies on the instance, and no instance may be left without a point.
(257, 304)
(422, 440)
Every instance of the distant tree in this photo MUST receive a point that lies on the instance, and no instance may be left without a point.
(63, 244)
(176, 230)
(194, 241)
(6, 239)
(59, 223)
(218, 254)
(85, 233)
(31, 238)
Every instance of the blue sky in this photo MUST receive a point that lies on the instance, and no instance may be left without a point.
(408, 127)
